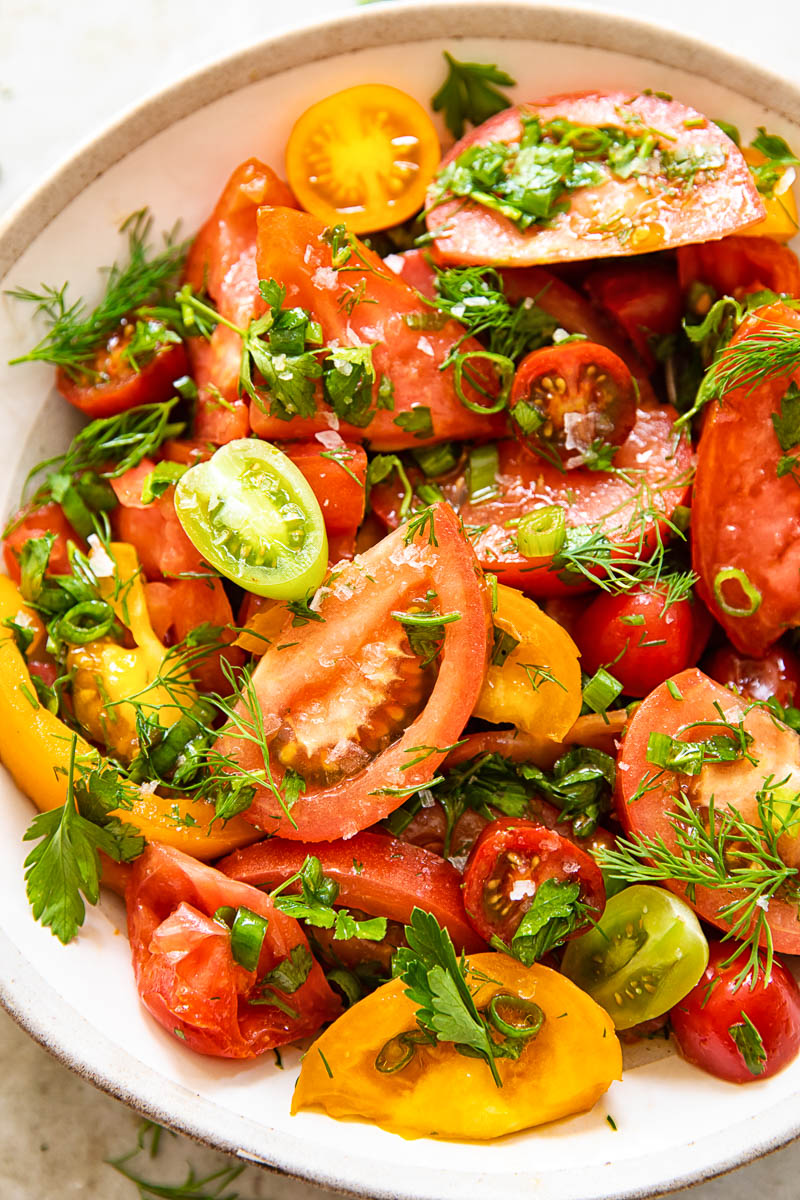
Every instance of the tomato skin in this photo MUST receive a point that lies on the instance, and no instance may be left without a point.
(644, 301)
(222, 259)
(736, 266)
(34, 524)
(325, 663)
(549, 857)
(125, 387)
(341, 497)
(181, 605)
(185, 972)
(292, 250)
(743, 515)
(470, 233)
(380, 875)
(647, 815)
(163, 548)
(777, 673)
(606, 638)
(702, 1019)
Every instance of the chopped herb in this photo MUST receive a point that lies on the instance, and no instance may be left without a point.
(749, 1044)
(468, 94)
(162, 477)
(555, 913)
(416, 420)
(315, 901)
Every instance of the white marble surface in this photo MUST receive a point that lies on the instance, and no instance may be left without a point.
(65, 70)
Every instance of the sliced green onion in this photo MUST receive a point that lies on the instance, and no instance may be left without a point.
(86, 622)
(399, 1051)
(601, 690)
(674, 690)
(225, 915)
(247, 937)
(543, 532)
(429, 493)
(436, 460)
(505, 370)
(482, 473)
(752, 593)
(515, 1017)
(504, 644)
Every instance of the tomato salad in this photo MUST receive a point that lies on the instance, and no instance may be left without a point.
(408, 634)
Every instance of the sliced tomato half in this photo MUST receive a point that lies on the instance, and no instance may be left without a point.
(347, 704)
(672, 206)
(115, 385)
(377, 874)
(689, 707)
(185, 971)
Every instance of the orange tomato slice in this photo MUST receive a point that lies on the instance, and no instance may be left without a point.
(780, 222)
(364, 156)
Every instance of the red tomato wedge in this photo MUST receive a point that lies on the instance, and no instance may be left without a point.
(620, 216)
(745, 518)
(163, 548)
(658, 463)
(222, 261)
(366, 304)
(185, 971)
(352, 709)
(646, 793)
(377, 874)
(116, 384)
(739, 265)
(337, 474)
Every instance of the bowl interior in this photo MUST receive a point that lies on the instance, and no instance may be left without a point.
(674, 1124)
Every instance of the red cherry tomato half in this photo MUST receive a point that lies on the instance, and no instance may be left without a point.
(509, 861)
(185, 971)
(645, 301)
(739, 1034)
(115, 385)
(572, 400)
(638, 639)
(735, 266)
(776, 673)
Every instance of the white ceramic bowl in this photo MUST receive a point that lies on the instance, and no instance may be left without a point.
(674, 1124)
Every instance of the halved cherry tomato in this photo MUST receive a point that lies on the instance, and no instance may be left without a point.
(570, 400)
(115, 385)
(654, 472)
(776, 673)
(440, 1093)
(643, 955)
(222, 262)
(185, 971)
(620, 216)
(365, 156)
(744, 515)
(644, 300)
(738, 1033)
(686, 708)
(366, 304)
(353, 709)
(252, 515)
(163, 548)
(180, 606)
(29, 525)
(735, 266)
(377, 874)
(511, 859)
(640, 639)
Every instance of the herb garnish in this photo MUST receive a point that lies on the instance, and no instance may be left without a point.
(750, 1045)
(315, 901)
(468, 94)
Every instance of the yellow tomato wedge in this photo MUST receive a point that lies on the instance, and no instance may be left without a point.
(364, 156)
(564, 1069)
(780, 222)
(538, 687)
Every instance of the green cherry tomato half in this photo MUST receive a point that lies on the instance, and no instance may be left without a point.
(643, 955)
(252, 515)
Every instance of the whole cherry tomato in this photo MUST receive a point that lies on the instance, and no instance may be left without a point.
(776, 673)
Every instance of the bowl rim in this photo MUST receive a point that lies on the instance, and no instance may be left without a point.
(21, 985)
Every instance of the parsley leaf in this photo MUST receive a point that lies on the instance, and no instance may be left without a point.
(778, 157)
(554, 914)
(786, 423)
(468, 94)
(292, 972)
(416, 420)
(749, 1044)
(162, 477)
(314, 905)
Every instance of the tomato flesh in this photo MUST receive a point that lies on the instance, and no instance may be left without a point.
(777, 673)
(645, 953)
(178, 607)
(30, 525)
(116, 384)
(644, 300)
(736, 266)
(163, 549)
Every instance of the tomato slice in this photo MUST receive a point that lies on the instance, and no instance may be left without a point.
(163, 548)
(647, 795)
(115, 385)
(714, 1025)
(181, 606)
(510, 861)
(353, 709)
(776, 673)
(571, 402)
(30, 524)
(736, 266)
(360, 302)
(654, 461)
(744, 515)
(365, 156)
(644, 300)
(573, 1058)
(336, 472)
(377, 874)
(643, 955)
(186, 973)
(693, 185)
(222, 262)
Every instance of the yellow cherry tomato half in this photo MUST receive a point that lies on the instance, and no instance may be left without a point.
(537, 685)
(780, 222)
(364, 156)
(362, 1066)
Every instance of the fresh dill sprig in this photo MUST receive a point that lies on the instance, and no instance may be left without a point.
(475, 297)
(773, 350)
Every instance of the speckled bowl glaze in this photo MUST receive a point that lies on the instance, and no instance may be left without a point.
(674, 1124)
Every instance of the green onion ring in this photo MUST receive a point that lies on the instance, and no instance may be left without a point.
(752, 593)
